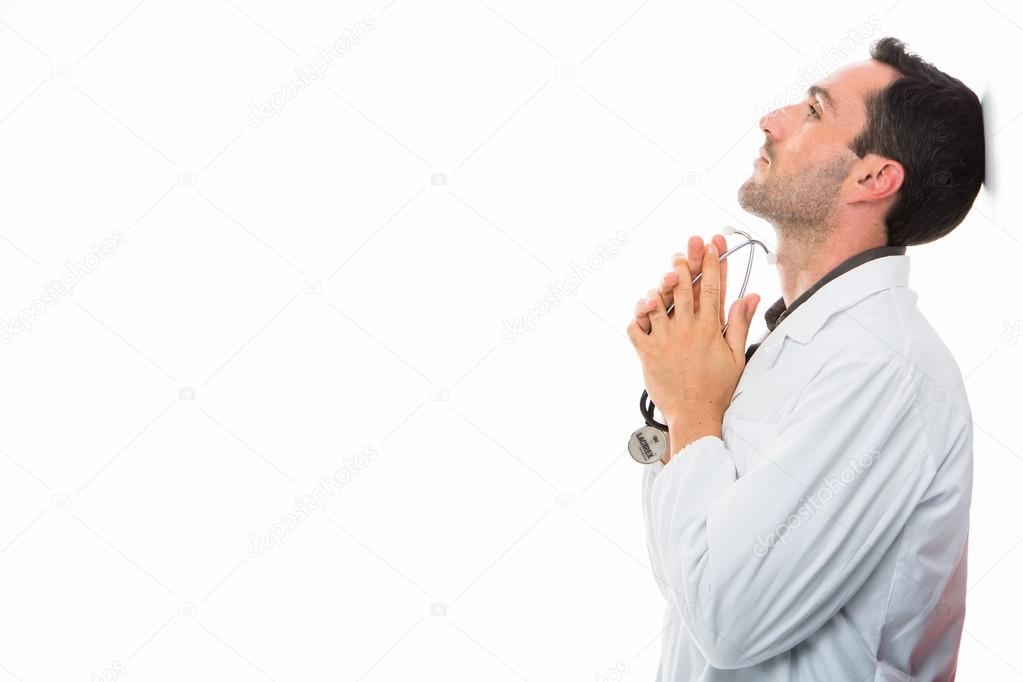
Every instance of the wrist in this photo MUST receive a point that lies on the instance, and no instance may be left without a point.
(684, 430)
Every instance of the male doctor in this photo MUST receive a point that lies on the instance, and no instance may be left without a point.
(809, 521)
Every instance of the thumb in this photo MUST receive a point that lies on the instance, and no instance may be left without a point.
(739, 321)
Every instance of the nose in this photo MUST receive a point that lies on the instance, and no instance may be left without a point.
(765, 120)
(774, 123)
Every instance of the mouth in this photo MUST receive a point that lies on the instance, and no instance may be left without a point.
(763, 155)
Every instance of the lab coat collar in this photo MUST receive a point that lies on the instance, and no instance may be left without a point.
(866, 273)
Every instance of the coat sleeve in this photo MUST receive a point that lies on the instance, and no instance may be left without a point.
(650, 473)
(758, 563)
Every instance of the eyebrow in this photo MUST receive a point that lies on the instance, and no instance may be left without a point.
(825, 95)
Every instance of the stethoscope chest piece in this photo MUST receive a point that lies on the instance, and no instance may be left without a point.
(648, 444)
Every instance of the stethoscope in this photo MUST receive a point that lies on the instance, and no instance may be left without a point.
(649, 443)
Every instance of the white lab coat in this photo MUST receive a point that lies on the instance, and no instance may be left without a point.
(824, 537)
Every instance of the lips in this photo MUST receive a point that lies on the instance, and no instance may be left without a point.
(763, 155)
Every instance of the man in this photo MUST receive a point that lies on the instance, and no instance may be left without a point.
(810, 518)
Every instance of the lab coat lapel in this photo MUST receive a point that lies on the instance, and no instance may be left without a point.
(807, 319)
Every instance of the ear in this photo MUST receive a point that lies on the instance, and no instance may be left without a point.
(878, 177)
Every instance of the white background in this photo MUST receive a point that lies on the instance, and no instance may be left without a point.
(336, 280)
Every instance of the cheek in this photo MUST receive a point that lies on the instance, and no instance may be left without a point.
(807, 151)
(802, 148)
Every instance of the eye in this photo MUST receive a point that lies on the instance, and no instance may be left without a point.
(813, 111)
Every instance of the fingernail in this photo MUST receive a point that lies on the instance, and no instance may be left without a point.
(712, 249)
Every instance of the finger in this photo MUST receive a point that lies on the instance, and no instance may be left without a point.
(644, 305)
(696, 247)
(643, 315)
(722, 245)
(683, 293)
(636, 334)
(739, 319)
(667, 288)
(710, 289)
(658, 315)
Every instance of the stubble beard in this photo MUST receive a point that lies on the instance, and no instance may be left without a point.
(801, 206)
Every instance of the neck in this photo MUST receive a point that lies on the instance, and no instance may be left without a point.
(802, 262)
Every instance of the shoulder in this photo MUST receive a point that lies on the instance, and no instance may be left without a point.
(887, 332)
(888, 328)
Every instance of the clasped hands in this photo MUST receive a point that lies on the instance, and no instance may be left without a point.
(690, 369)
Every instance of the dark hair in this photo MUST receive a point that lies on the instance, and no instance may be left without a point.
(933, 125)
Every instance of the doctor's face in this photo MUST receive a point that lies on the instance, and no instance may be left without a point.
(798, 186)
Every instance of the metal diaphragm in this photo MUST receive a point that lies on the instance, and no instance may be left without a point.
(648, 444)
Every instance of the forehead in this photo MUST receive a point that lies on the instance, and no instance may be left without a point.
(860, 77)
(849, 84)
